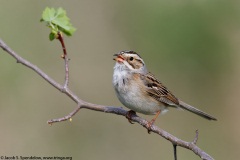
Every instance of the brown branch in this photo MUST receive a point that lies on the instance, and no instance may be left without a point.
(65, 57)
(107, 109)
(60, 38)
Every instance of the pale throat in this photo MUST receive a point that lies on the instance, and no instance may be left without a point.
(120, 75)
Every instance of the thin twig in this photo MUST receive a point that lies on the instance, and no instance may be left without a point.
(67, 117)
(196, 137)
(175, 151)
(60, 38)
(106, 109)
(66, 60)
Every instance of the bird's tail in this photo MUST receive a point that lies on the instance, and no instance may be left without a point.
(186, 106)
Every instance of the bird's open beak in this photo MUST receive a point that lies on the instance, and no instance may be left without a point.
(119, 58)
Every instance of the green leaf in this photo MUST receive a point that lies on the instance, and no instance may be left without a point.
(63, 22)
(51, 36)
(48, 14)
(57, 20)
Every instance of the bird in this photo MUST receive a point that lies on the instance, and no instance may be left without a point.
(141, 92)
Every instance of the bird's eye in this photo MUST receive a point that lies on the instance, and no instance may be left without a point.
(131, 58)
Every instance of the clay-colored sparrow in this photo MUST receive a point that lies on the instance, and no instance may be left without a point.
(141, 92)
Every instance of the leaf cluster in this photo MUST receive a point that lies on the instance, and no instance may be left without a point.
(57, 21)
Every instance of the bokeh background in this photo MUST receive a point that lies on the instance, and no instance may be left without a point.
(192, 46)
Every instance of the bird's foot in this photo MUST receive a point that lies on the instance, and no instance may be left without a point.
(149, 125)
(129, 116)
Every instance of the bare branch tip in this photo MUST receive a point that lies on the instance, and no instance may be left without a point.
(49, 122)
(196, 137)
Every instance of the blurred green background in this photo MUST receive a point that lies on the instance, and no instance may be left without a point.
(192, 46)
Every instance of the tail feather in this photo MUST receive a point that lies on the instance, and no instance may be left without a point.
(186, 106)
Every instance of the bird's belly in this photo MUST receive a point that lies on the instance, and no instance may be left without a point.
(135, 100)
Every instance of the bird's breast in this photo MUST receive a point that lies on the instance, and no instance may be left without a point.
(131, 93)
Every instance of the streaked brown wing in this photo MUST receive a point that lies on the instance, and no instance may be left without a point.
(158, 91)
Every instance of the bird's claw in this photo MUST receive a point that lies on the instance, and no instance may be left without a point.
(129, 116)
(149, 126)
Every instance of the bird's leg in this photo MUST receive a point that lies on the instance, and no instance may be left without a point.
(129, 116)
(150, 123)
